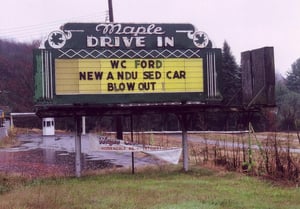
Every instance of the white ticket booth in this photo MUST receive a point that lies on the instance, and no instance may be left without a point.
(48, 127)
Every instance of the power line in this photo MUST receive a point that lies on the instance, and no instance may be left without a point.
(31, 31)
(47, 24)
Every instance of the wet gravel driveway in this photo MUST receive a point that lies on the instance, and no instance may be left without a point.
(40, 156)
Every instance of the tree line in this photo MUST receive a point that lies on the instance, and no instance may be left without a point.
(17, 89)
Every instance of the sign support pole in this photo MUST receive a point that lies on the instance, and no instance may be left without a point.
(11, 122)
(132, 153)
(183, 122)
(77, 147)
(83, 125)
(119, 127)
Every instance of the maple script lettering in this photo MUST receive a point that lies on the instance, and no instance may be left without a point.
(119, 29)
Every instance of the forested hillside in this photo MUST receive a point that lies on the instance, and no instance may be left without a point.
(16, 75)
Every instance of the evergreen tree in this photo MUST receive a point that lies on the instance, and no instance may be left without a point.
(293, 78)
(231, 77)
(287, 101)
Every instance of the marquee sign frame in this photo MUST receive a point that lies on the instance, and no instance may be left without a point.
(159, 59)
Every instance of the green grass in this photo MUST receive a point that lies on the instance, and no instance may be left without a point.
(152, 189)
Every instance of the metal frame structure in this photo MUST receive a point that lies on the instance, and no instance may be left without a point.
(182, 110)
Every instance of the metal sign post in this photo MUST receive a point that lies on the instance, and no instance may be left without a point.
(132, 153)
(78, 146)
(185, 153)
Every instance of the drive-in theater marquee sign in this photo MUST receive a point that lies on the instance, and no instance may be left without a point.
(113, 63)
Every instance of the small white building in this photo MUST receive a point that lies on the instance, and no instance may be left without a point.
(48, 127)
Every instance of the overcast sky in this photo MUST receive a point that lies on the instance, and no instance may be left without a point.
(244, 24)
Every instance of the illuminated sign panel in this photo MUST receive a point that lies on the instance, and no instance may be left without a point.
(121, 63)
(115, 76)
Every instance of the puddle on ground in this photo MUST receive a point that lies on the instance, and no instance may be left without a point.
(54, 156)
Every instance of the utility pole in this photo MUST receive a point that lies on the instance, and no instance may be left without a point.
(110, 11)
(119, 126)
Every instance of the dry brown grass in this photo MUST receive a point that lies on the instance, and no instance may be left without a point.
(10, 140)
(271, 156)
